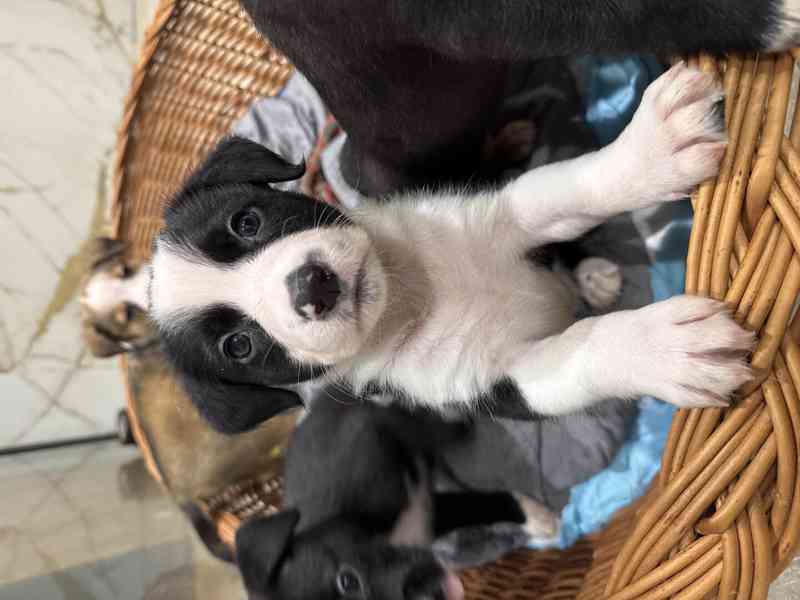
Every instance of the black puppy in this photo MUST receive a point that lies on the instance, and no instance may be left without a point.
(361, 511)
(417, 84)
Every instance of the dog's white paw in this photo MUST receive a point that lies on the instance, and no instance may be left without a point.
(689, 352)
(599, 280)
(540, 521)
(677, 136)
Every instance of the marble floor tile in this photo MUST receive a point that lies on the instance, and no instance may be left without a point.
(65, 67)
(88, 522)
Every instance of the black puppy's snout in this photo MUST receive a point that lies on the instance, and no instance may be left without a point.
(314, 290)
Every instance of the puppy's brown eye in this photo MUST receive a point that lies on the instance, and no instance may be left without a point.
(246, 224)
(237, 346)
(348, 583)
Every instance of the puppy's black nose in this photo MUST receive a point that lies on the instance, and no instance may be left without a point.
(314, 290)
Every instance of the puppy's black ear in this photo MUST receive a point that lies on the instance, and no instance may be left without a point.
(261, 544)
(239, 160)
(236, 407)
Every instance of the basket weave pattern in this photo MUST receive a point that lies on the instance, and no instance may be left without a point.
(723, 519)
(201, 65)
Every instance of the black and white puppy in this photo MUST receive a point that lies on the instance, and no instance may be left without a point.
(361, 512)
(431, 296)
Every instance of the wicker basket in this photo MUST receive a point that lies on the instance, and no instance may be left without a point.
(723, 519)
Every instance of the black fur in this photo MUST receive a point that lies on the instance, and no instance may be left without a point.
(346, 486)
(237, 175)
(417, 84)
(233, 397)
(237, 160)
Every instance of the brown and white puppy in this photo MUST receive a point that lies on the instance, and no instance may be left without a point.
(113, 302)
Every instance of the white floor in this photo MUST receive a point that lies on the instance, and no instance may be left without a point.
(87, 522)
(65, 68)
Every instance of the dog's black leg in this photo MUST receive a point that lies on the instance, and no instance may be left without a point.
(473, 528)
(458, 510)
(513, 29)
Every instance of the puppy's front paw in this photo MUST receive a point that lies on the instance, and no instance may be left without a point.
(677, 136)
(540, 521)
(600, 281)
(693, 354)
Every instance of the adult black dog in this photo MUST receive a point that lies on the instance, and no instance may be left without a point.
(417, 83)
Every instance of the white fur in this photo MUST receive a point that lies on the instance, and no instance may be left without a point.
(453, 306)
(670, 146)
(453, 277)
(670, 350)
(104, 292)
(414, 527)
(788, 33)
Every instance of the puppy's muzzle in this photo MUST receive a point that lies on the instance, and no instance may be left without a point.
(314, 291)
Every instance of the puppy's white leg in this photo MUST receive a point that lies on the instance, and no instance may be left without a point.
(675, 141)
(686, 350)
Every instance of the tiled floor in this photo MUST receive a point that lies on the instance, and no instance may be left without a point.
(88, 522)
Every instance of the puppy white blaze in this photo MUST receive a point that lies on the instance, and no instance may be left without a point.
(183, 286)
(104, 291)
(180, 286)
(414, 526)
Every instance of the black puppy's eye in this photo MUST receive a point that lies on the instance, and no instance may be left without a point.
(246, 223)
(237, 346)
(348, 583)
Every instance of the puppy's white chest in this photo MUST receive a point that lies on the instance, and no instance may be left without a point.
(483, 301)
(481, 314)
